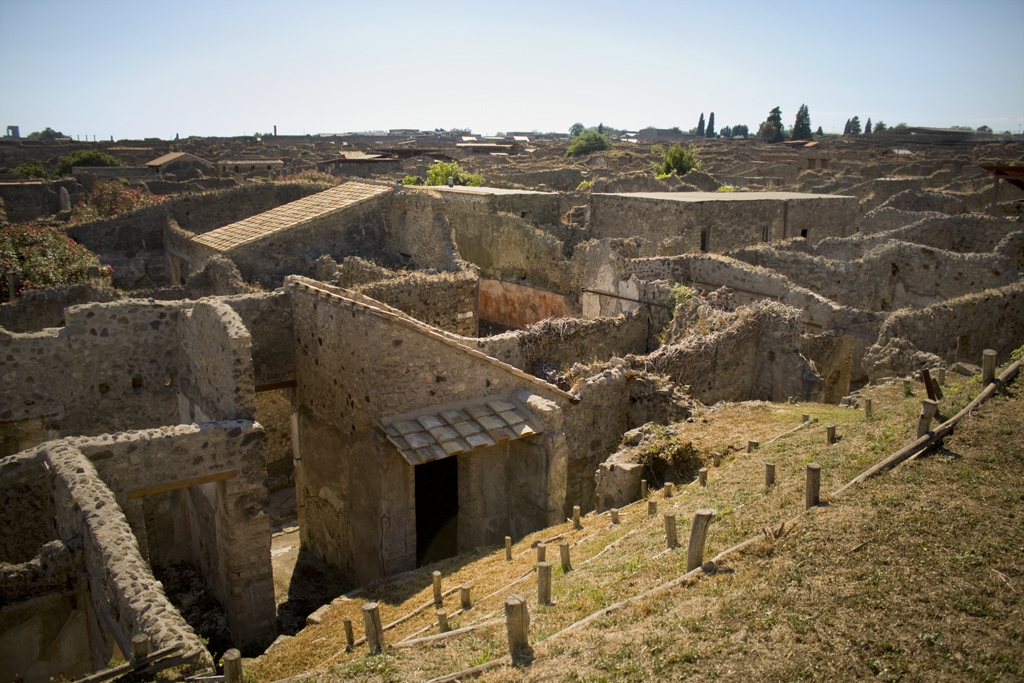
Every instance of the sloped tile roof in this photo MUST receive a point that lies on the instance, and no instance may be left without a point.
(438, 432)
(290, 215)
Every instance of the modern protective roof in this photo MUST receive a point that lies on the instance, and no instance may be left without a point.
(172, 156)
(442, 431)
(290, 215)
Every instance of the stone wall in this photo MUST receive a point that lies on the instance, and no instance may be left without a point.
(726, 222)
(39, 308)
(119, 579)
(26, 516)
(113, 367)
(268, 318)
(216, 381)
(447, 301)
(233, 552)
(961, 328)
(418, 231)
(890, 276)
(358, 362)
(134, 243)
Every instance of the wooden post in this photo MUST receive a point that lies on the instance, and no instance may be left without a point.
(931, 386)
(542, 552)
(867, 408)
(831, 433)
(140, 646)
(769, 474)
(805, 418)
(563, 550)
(702, 476)
(668, 490)
(350, 637)
(232, 666)
(508, 548)
(517, 623)
(924, 422)
(698, 534)
(437, 588)
(374, 629)
(464, 597)
(670, 530)
(643, 489)
(813, 484)
(576, 517)
(652, 508)
(615, 515)
(988, 366)
(543, 583)
(941, 376)
(751, 445)
(442, 621)
(718, 459)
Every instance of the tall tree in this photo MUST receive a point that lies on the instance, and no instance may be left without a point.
(700, 125)
(880, 127)
(576, 129)
(726, 132)
(711, 125)
(740, 130)
(802, 124)
(600, 128)
(820, 132)
(867, 127)
(771, 129)
(855, 126)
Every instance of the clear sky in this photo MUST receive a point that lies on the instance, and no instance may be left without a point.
(150, 68)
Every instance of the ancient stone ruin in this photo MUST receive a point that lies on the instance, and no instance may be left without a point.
(434, 369)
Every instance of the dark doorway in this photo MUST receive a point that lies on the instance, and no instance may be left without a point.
(437, 510)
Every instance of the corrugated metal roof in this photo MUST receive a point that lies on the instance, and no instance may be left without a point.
(290, 215)
(442, 431)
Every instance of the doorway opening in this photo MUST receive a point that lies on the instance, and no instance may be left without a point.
(437, 510)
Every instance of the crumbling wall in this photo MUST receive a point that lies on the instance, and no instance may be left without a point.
(419, 232)
(268, 319)
(756, 357)
(216, 382)
(512, 305)
(120, 582)
(27, 513)
(961, 328)
(113, 367)
(890, 276)
(36, 309)
(232, 547)
(447, 301)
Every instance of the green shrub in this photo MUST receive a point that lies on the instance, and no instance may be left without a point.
(677, 294)
(586, 143)
(726, 188)
(110, 199)
(657, 148)
(442, 170)
(43, 257)
(85, 157)
(679, 160)
(31, 168)
(412, 180)
(585, 185)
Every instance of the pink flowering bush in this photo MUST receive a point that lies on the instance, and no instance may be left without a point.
(43, 257)
(110, 199)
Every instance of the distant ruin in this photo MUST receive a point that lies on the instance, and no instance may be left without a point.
(457, 363)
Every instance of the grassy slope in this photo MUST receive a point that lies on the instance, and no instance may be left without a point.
(913, 576)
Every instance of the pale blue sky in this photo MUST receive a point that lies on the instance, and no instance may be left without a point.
(146, 68)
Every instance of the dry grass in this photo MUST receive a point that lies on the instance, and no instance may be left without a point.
(915, 575)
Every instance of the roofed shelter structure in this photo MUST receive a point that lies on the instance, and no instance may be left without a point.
(1011, 174)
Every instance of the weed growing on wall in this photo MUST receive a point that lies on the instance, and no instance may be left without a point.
(442, 170)
(412, 180)
(110, 199)
(677, 294)
(43, 257)
(33, 169)
(311, 176)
